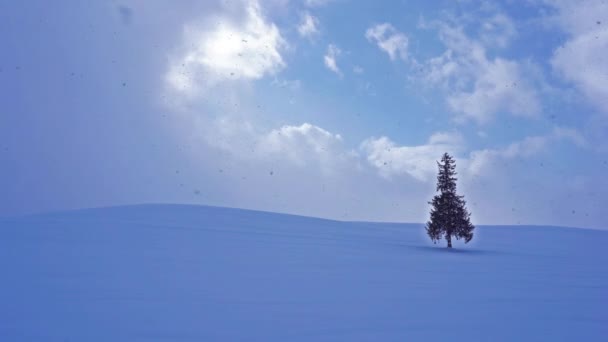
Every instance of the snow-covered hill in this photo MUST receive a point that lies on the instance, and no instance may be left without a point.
(192, 273)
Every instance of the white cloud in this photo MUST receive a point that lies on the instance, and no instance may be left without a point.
(571, 134)
(302, 145)
(418, 162)
(497, 30)
(528, 147)
(245, 48)
(478, 87)
(481, 159)
(582, 60)
(309, 26)
(330, 58)
(500, 86)
(292, 85)
(317, 3)
(389, 40)
(578, 17)
(358, 70)
(447, 138)
(310, 146)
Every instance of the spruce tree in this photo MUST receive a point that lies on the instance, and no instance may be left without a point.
(449, 215)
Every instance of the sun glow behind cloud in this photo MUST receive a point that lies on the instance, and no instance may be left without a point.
(231, 50)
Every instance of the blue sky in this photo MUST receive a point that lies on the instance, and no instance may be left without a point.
(336, 109)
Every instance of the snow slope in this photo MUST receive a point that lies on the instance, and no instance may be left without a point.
(192, 273)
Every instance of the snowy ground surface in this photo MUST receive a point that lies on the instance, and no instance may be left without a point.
(190, 273)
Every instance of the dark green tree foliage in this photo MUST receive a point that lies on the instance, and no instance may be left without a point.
(449, 215)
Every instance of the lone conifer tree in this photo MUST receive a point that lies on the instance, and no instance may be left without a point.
(449, 215)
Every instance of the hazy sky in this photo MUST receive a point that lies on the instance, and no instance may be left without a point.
(336, 109)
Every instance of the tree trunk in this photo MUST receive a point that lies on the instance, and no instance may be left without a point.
(449, 237)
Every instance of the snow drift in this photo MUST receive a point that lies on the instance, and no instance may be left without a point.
(192, 273)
